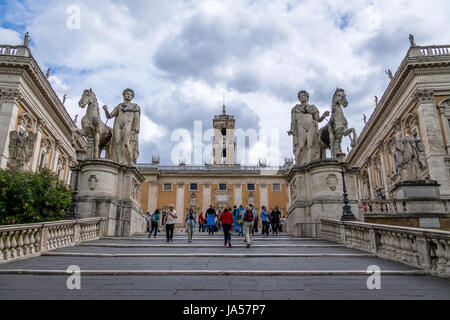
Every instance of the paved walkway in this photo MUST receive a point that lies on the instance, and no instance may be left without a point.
(281, 267)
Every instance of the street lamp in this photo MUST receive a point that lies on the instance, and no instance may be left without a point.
(347, 214)
(73, 209)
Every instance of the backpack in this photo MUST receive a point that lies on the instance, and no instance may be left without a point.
(155, 218)
(248, 216)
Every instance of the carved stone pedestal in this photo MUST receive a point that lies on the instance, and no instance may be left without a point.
(421, 196)
(315, 192)
(110, 190)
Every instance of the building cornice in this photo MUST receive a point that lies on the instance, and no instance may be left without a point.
(410, 67)
(16, 64)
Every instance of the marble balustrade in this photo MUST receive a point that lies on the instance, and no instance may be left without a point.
(423, 248)
(23, 241)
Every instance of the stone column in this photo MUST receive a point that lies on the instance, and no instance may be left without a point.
(384, 169)
(372, 181)
(263, 195)
(446, 126)
(432, 139)
(238, 194)
(9, 110)
(41, 124)
(152, 195)
(180, 203)
(55, 157)
(206, 197)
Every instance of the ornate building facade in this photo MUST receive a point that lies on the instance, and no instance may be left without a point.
(415, 107)
(35, 128)
(222, 184)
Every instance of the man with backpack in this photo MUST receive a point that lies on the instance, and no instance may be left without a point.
(248, 225)
(154, 221)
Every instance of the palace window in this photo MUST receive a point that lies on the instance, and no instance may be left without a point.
(167, 187)
(193, 187)
(276, 187)
(251, 187)
(44, 158)
(223, 187)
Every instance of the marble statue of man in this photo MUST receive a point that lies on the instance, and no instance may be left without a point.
(412, 158)
(408, 158)
(305, 130)
(398, 152)
(124, 142)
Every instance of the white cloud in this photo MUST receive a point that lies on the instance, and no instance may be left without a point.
(8, 36)
(150, 131)
(180, 56)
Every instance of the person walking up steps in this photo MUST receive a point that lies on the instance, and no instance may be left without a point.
(248, 225)
(255, 220)
(226, 218)
(154, 220)
(265, 222)
(275, 218)
(190, 224)
(210, 219)
(201, 222)
(170, 223)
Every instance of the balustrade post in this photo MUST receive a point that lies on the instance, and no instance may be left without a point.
(44, 237)
(77, 231)
(373, 241)
(2, 247)
(343, 235)
(423, 249)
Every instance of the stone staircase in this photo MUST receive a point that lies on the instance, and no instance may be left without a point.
(279, 267)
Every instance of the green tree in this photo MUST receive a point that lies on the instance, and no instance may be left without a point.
(32, 197)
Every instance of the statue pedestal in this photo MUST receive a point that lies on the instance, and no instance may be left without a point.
(110, 190)
(420, 196)
(316, 192)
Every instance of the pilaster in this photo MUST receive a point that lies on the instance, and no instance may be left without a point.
(432, 138)
(9, 110)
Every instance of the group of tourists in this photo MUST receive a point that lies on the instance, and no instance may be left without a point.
(240, 221)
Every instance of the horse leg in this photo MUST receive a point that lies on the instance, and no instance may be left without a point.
(332, 148)
(97, 143)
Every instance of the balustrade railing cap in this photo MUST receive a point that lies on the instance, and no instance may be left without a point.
(415, 231)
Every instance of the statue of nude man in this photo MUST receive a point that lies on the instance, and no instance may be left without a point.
(305, 130)
(124, 141)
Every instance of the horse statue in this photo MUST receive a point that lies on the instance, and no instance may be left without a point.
(331, 134)
(93, 126)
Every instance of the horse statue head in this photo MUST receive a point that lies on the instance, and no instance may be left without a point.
(339, 98)
(87, 98)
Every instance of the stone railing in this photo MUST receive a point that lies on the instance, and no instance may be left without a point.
(23, 241)
(422, 248)
(394, 206)
(19, 51)
(425, 51)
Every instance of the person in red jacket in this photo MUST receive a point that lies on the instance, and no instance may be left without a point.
(226, 219)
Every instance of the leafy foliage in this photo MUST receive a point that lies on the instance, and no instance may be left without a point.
(27, 197)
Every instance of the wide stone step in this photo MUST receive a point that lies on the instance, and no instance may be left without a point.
(222, 249)
(205, 263)
(218, 272)
(203, 245)
(206, 255)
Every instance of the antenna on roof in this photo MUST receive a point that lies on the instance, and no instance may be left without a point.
(224, 111)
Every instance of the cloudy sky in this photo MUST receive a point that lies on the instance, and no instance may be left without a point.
(181, 56)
